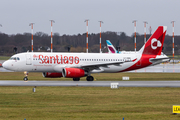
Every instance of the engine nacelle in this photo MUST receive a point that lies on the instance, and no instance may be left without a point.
(73, 73)
(51, 75)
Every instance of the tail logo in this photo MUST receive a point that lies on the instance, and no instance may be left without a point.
(155, 43)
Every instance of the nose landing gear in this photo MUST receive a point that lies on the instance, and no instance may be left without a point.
(26, 76)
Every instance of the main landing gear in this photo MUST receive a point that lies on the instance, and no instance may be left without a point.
(26, 76)
(90, 78)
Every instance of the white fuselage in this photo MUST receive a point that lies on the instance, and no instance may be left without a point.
(55, 62)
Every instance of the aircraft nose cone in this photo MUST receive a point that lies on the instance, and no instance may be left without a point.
(5, 65)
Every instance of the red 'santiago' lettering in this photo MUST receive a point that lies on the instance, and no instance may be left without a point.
(66, 60)
(76, 60)
(61, 60)
(46, 60)
(71, 60)
(58, 59)
(41, 58)
(51, 59)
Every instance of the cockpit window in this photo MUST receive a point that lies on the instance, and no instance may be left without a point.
(14, 58)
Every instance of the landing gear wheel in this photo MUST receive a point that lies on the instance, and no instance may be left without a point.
(26, 76)
(76, 79)
(90, 78)
(25, 79)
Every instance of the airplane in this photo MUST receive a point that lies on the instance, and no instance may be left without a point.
(77, 65)
(112, 49)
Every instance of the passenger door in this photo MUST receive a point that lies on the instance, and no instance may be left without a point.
(28, 59)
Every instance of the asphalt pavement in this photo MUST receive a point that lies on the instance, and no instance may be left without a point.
(92, 83)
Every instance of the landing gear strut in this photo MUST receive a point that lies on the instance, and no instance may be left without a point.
(26, 76)
(90, 78)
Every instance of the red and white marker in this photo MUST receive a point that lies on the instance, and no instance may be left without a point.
(145, 31)
(134, 35)
(87, 35)
(173, 37)
(51, 35)
(100, 38)
(31, 24)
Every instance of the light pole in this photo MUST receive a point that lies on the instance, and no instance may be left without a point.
(86, 35)
(31, 24)
(145, 31)
(173, 39)
(52, 21)
(100, 37)
(150, 30)
(134, 34)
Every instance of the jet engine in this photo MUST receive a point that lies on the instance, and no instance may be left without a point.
(73, 73)
(51, 75)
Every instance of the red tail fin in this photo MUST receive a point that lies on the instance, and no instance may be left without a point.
(155, 43)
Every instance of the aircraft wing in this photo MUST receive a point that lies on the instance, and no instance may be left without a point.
(90, 67)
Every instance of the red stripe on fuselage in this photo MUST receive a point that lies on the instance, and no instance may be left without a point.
(143, 62)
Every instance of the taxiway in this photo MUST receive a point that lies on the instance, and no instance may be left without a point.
(92, 83)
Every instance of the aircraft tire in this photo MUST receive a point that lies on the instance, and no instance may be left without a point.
(90, 78)
(25, 79)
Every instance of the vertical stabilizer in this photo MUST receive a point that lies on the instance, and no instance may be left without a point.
(111, 48)
(155, 43)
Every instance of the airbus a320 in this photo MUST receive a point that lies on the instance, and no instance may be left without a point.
(77, 65)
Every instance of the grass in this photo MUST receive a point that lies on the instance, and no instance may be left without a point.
(87, 103)
(98, 77)
(4, 57)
